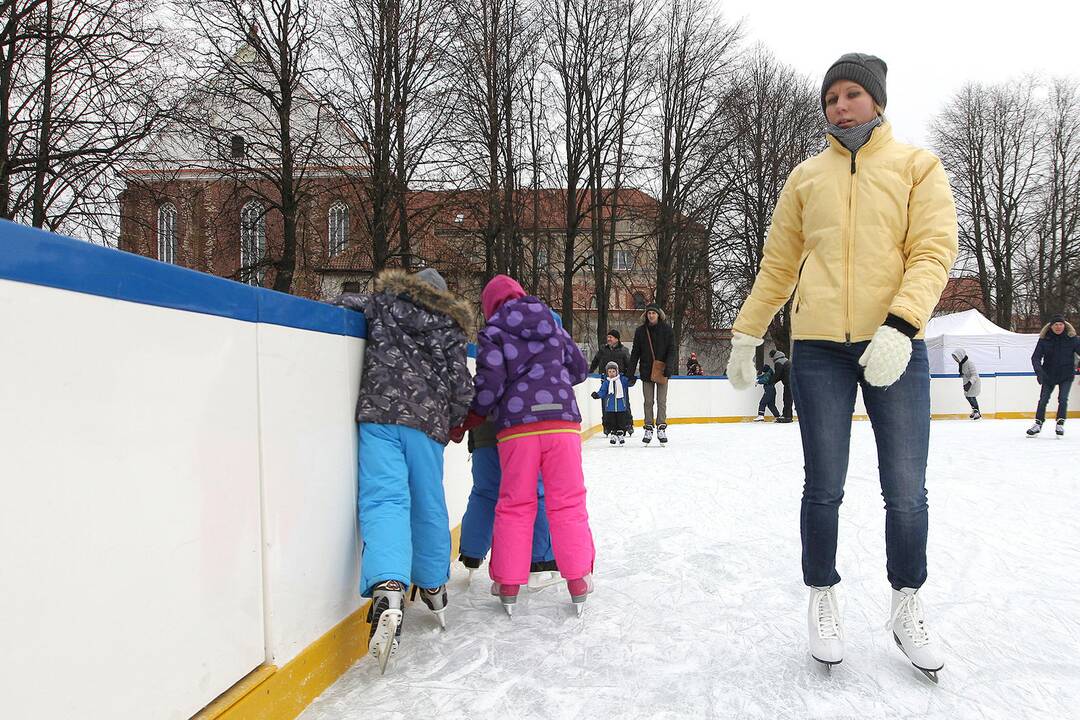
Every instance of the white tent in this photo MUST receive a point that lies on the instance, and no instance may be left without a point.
(991, 348)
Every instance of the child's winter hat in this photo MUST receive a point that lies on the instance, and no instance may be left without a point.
(866, 70)
(499, 290)
(611, 366)
(432, 277)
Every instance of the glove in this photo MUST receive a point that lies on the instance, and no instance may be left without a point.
(967, 386)
(886, 357)
(596, 396)
(631, 381)
(473, 419)
(741, 371)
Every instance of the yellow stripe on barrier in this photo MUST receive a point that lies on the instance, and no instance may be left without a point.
(271, 693)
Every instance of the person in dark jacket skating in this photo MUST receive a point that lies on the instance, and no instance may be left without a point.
(615, 351)
(1055, 367)
(767, 379)
(654, 340)
(614, 393)
(782, 374)
(415, 386)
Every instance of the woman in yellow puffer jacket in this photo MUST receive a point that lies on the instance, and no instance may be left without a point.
(864, 234)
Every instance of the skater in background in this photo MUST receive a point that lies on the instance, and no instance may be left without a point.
(865, 234)
(782, 376)
(653, 356)
(527, 367)
(479, 518)
(415, 386)
(614, 351)
(693, 367)
(767, 380)
(1055, 367)
(614, 393)
(969, 376)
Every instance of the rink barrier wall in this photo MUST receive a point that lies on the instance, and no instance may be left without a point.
(223, 530)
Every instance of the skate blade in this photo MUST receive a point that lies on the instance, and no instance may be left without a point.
(579, 604)
(471, 571)
(826, 664)
(440, 617)
(931, 675)
(384, 641)
(509, 608)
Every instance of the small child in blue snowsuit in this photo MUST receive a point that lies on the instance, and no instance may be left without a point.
(415, 386)
(479, 519)
(614, 392)
(767, 379)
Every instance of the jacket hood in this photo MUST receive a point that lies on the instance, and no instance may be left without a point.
(1046, 332)
(959, 355)
(661, 313)
(498, 291)
(527, 318)
(399, 282)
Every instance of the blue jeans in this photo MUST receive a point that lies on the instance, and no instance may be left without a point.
(1063, 399)
(825, 376)
(402, 508)
(479, 519)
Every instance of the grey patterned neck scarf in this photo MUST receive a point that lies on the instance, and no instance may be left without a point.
(855, 136)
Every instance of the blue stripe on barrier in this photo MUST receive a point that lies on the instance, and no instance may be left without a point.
(36, 257)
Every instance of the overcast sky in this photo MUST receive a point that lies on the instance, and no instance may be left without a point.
(932, 47)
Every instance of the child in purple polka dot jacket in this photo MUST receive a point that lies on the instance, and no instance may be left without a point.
(526, 369)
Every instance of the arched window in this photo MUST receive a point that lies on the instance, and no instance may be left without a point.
(166, 233)
(252, 240)
(338, 222)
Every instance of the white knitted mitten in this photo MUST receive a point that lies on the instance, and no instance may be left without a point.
(741, 370)
(886, 357)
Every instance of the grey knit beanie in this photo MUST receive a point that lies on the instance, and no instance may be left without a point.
(866, 70)
(432, 277)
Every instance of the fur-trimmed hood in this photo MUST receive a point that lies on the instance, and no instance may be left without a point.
(661, 313)
(1070, 331)
(400, 282)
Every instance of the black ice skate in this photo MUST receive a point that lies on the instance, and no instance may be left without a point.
(435, 599)
(1035, 429)
(385, 617)
(1060, 429)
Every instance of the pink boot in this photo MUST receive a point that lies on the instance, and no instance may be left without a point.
(579, 590)
(507, 594)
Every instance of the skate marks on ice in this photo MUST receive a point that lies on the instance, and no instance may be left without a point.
(699, 609)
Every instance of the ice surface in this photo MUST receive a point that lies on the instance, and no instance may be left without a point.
(699, 609)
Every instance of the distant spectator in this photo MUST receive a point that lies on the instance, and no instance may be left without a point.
(782, 374)
(767, 379)
(693, 367)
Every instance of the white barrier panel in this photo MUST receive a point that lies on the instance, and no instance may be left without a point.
(129, 528)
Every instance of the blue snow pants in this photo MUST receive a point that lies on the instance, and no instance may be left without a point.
(402, 508)
(480, 514)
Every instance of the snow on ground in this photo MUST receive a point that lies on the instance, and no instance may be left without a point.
(700, 610)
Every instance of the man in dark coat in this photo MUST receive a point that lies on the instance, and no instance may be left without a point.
(614, 351)
(782, 374)
(1055, 366)
(653, 340)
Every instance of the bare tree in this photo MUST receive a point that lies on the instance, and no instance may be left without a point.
(258, 117)
(391, 64)
(82, 84)
(778, 123)
(694, 61)
(1056, 286)
(988, 139)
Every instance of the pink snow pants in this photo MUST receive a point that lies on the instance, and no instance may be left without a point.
(558, 457)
